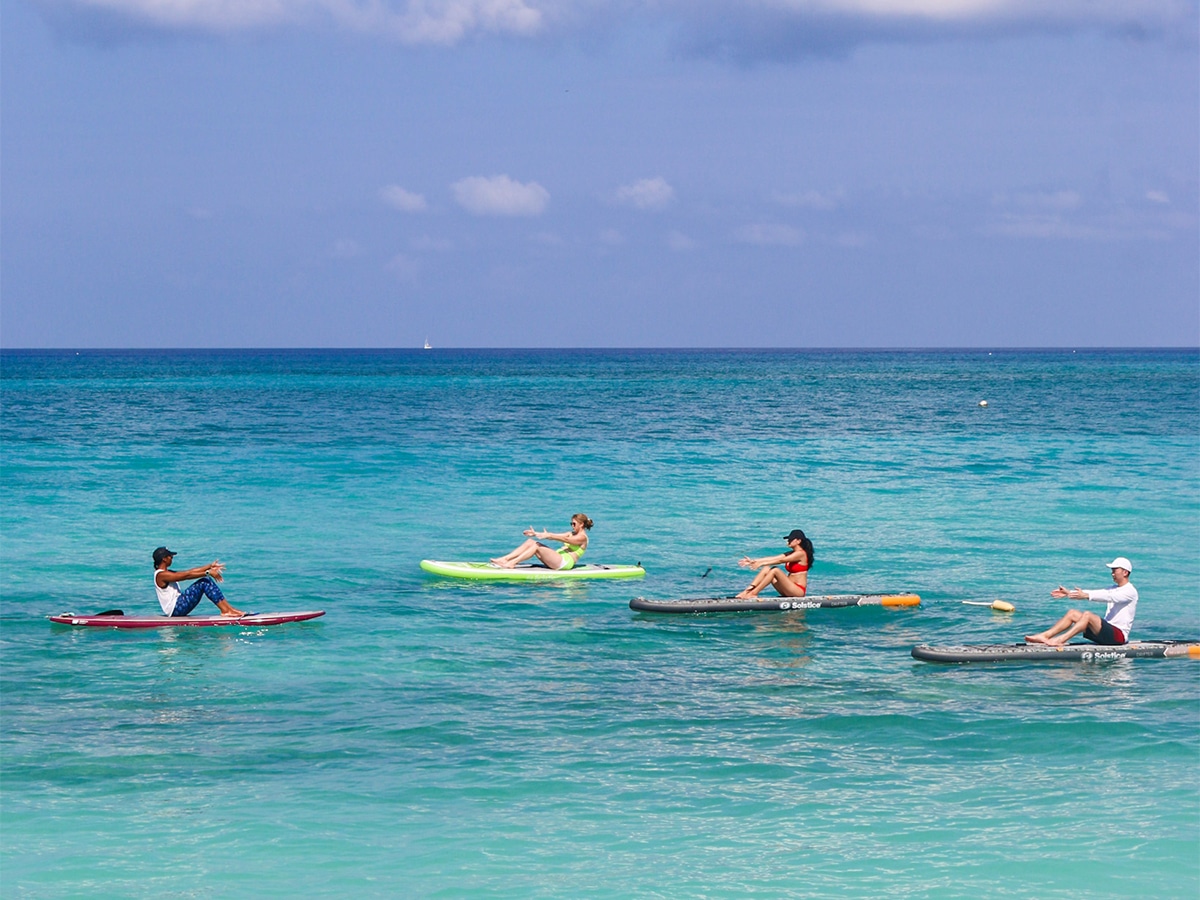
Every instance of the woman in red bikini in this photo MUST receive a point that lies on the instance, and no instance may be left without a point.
(792, 579)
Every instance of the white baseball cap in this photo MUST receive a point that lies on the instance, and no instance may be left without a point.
(1121, 563)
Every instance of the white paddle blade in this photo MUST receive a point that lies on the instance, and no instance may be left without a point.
(997, 605)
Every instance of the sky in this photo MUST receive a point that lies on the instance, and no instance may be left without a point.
(599, 173)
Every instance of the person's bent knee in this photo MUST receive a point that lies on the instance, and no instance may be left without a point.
(211, 589)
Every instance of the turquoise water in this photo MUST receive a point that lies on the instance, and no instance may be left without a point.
(430, 738)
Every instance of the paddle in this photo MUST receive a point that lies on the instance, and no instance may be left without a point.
(996, 605)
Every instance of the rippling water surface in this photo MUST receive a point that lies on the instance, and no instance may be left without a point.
(431, 738)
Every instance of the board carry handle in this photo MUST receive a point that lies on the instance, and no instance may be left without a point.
(900, 600)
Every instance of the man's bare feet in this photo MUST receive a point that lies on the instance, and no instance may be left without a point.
(1035, 639)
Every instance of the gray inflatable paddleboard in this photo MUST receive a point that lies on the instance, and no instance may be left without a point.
(771, 604)
(966, 653)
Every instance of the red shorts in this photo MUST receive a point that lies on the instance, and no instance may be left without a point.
(1109, 635)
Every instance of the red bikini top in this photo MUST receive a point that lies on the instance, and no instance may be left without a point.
(794, 567)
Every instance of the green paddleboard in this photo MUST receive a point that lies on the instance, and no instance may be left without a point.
(487, 572)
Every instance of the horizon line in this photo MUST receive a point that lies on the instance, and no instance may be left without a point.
(682, 349)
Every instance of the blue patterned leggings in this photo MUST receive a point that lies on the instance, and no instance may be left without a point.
(190, 596)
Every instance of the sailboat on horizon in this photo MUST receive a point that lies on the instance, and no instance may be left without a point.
(428, 346)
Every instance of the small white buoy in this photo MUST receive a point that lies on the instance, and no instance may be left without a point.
(983, 403)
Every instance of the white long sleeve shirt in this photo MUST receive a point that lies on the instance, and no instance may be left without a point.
(1122, 604)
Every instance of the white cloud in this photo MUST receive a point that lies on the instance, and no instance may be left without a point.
(611, 237)
(404, 267)
(853, 239)
(1043, 227)
(442, 22)
(427, 244)
(1158, 197)
(1060, 201)
(648, 193)
(1120, 220)
(808, 200)
(958, 10)
(345, 248)
(736, 28)
(199, 15)
(788, 29)
(500, 196)
(680, 242)
(406, 201)
(1054, 214)
(767, 235)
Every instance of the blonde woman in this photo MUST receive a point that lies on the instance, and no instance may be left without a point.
(574, 543)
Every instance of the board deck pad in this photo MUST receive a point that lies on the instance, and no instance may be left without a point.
(772, 604)
(481, 571)
(254, 620)
(965, 653)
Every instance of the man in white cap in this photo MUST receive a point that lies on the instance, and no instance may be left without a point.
(1114, 628)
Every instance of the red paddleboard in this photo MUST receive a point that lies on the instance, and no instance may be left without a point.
(254, 620)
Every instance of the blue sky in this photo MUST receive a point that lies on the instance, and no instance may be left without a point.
(775, 173)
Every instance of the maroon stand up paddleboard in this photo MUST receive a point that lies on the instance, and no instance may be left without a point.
(253, 620)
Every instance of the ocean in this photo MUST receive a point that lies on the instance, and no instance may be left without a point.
(431, 738)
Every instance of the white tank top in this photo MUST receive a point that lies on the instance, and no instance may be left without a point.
(166, 596)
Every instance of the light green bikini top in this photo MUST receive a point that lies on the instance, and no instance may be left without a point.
(576, 549)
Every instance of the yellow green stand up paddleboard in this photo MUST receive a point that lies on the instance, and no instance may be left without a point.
(476, 571)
